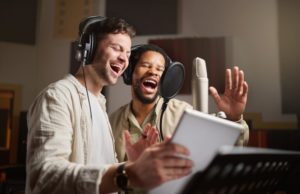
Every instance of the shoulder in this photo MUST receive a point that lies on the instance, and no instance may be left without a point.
(178, 104)
(119, 114)
(175, 107)
(68, 84)
(118, 120)
(57, 92)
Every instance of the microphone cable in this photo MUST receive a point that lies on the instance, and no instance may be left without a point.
(163, 108)
(87, 92)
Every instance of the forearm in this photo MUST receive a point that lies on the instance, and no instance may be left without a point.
(63, 177)
(107, 184)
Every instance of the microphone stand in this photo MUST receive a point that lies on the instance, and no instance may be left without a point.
(163, 108)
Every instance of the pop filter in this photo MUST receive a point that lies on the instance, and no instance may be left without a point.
(171, 80)
(170, 84)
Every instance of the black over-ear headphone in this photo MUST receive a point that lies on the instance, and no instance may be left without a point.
(135, 55)
(87, 41)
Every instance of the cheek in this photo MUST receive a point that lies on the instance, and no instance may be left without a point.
(99, 56)
(138, 73)
(104, 55)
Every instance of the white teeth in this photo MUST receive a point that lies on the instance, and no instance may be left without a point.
(150, 81)
(117, 67)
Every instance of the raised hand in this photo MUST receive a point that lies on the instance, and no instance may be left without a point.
(148, 138)
(234, 99)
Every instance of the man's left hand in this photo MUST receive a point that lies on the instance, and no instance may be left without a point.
(234, 100)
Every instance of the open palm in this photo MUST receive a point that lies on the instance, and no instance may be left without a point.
(148, 138)
(234, 99)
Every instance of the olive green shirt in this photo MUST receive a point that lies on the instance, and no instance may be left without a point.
(123, 119)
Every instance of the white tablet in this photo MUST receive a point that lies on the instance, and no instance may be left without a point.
(203, 135)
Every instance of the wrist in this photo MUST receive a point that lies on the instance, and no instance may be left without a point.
(122, 180)
(237, 118)
(134, 181)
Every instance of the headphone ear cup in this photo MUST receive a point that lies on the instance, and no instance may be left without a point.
(90, 48)
(87, 45)
(127, 75)
(78, 55)
(87, 42)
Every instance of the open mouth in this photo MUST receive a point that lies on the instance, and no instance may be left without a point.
(149, 84)
(116, 68)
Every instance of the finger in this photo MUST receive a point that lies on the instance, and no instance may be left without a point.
(241, 82)
(152, 136)
(235, 78)
(167, 139)
(245, 89)
(146, 129)
(228, 80)
(127, 138)
(177, 162)
(174, 173)
(178, 170)
(171, 150)
(214, 93)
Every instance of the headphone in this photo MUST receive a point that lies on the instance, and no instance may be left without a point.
(135, 55)
(87, 41)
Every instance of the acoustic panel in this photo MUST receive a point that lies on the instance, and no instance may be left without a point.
(18, 21)
(148, 17)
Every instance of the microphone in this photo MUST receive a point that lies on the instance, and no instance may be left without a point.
(200, 85)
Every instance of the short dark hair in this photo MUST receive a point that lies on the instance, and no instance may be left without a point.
(101, 26)
(94, 28)
(137, 52)
(114, 25)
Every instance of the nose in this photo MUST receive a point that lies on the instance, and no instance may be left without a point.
(123, 57)
(153, 70)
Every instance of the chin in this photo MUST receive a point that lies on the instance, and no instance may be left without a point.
(113, 82)
(148, 99)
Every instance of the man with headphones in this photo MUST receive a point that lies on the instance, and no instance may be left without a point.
(70, 142)
(146, 67)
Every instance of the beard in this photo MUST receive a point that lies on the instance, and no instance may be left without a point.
(139, 94)
(104, 73)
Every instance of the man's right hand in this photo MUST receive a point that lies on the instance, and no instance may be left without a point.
(158, 164)
(148, 138)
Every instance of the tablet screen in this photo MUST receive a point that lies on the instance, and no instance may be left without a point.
(203, 135)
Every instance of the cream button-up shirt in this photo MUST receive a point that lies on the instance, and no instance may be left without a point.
(59, 142)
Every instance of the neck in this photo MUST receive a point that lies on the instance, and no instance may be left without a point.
(89, 79)
(141, 110)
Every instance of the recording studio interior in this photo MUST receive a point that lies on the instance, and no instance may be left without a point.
(261, 37)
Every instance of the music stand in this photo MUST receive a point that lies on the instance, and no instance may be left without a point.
(238, 170)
